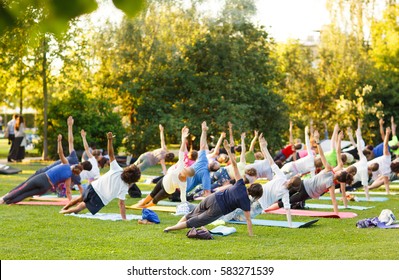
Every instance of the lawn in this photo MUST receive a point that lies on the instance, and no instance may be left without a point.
(40, 233)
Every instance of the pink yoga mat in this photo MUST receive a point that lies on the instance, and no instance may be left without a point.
(56, 203)
(322, 214)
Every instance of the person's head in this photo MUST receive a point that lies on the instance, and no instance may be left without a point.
(343, 177)
(255, 190)
(86, 165)
(238, 149)
(18, 122)
(187, 172)
(279, 163)
(298, 146)
(394, 147)
(251, 172)
(395, 166)
(214, 166)
(102, 161)
(131, 174)
(368, 154)
(15, 116)
(294, 183)
(344, 158)
(351, 170)
(77, 169)
(169, 157)
(192, 155)
(374, 167)
(223, 158)
(259, 156)
(318, 163)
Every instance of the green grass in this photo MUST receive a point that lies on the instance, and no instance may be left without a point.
(40, 233)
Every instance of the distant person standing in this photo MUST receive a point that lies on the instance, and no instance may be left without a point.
(1, 123)
(18, 153)
(11, 136)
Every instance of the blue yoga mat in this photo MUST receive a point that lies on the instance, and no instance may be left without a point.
(273, 223)
(329, 206)
(358, 198)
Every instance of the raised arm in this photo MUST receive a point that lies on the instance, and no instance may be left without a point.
(291, 136)
(381, 123)
(334, 137)
(393, 127)
(350, 135)
(386, 140)
(316, 136)
(264, 150)
(110, 148)
(307, 141)
(237, 174)
(340, 163)
(184, 135)
(85, 144)
(243, 150)
(162, 136)
(359, 139)
(232, 144)
(60, 150)
(70, 122)
(203, 141)
(252, 145)
(218, 144)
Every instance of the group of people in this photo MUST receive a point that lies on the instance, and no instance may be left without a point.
(226, 181)
(15, 132)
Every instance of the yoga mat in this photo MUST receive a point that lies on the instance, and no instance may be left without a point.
(383, 225)
(44, 198)
(358, 198)
(8, 170)
(374, 193)
(308, 213)
(223, 230)
(54, 203)
(329, 206)
(171, 209)
(272, 223)
(105, 216)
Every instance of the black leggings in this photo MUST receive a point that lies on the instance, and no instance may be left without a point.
(36, 185)
(159, 193)
(296, 196)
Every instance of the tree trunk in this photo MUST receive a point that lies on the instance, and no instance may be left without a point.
(45, 101)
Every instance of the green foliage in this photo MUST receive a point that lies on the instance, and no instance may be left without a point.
(96, 116)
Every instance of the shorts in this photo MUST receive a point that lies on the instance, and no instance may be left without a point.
(92, 200)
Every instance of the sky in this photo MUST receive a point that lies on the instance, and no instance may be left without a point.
(296, 19)
(283, 19)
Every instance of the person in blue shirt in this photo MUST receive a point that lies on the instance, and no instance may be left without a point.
(221, 203)
(202, 166)
(44, 182)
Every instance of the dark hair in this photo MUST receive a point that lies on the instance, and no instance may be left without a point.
(194, 154)
(86, 165)
(318, 163)
(251, 172)
(344, 158)
(394, 147)
(351, 169)
(374, 166)
(395, 166)
(238, 149)
(298, 146)
(18, 122)
(255, 190)
(131, 174)
(369, 147)
(345, 177)
(169, 156)
(294, 184)
(102, 162)
(279, 163)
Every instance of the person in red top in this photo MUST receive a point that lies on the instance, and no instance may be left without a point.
(288, 150)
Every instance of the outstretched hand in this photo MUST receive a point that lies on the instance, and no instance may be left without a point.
(110, 135)
(70, 121)
(204, 126)
(185, 132)
(83, 133)
(59, 137)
